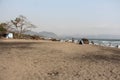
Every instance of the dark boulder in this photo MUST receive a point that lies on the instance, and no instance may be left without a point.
(80, 42)
(85, 41)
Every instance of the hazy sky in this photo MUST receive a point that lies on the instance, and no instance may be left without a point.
(86, 17)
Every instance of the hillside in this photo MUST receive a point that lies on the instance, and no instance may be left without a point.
(43, 34)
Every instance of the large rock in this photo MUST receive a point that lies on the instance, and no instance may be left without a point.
(85, 41)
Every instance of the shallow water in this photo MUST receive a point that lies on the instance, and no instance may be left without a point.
(107, 42)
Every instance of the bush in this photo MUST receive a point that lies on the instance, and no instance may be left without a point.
(2, 30)
(35, 37)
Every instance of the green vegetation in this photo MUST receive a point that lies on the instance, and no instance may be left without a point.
(2, 27)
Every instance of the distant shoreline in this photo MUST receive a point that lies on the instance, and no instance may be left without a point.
(104, 39)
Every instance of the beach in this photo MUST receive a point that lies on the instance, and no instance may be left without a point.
(49, 60)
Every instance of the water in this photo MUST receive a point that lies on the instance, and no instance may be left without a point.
(101, 42)
(106, 42)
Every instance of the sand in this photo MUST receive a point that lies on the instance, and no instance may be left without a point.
(47, 60)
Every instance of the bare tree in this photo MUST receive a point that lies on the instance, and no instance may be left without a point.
(21, 25)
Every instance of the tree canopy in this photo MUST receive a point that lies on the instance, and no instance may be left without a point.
(2, 27)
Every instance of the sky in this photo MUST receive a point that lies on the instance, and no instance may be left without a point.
(66, 17)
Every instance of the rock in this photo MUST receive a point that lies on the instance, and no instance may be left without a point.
(81, 42)
(85, 41)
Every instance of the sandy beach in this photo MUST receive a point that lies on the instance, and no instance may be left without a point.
(47, 60)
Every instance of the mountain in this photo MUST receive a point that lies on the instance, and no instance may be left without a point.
(53, 35)
(104, 36)
(43, 34)
(48, 34)
(31, 33)
(101, 36)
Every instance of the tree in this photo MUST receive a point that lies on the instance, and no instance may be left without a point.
(5, 26)
(3, 30)
(2, 27)
(21, 25)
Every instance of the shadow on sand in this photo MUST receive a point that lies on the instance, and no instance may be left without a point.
(100, 56)
(17, 44)
(6, 46)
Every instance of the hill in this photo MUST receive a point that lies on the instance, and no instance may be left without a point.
(43, 34)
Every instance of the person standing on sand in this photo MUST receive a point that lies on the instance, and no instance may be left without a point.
(72, 40)
(92, 42)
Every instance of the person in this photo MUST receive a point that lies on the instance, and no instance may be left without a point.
(92, 42)
(118, 46)
(72, 40)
